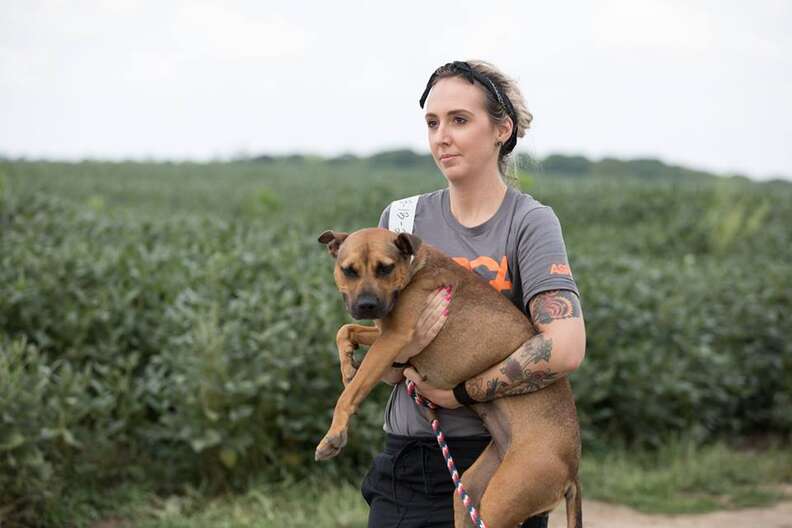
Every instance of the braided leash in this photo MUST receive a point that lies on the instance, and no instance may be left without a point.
(460, 490)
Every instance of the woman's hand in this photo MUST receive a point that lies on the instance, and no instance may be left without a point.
(441, 397)
(429, 323)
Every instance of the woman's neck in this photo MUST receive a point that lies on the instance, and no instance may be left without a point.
(475, 201)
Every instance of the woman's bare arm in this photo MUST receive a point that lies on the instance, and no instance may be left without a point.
(555, 351)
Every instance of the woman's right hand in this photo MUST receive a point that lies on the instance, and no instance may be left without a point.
(429, 323)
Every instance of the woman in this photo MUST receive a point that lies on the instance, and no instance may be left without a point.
(474, 115)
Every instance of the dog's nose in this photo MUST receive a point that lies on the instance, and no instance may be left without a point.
(367, 306)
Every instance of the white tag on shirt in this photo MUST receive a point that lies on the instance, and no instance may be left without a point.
(402, 215)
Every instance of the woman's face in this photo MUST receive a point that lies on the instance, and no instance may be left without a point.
(461, 135)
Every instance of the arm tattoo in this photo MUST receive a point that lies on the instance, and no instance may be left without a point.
(548, 306)
(518, 375)
(512, 370)
(492, 388)
(536, 350)
(479, 392)
(533, 382)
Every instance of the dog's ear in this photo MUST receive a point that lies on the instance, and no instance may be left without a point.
(333, 241)
(408, 244)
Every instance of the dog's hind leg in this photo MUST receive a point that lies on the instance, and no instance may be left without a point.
(475, 480)
(523, 486)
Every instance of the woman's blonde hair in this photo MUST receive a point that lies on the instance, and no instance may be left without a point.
(507, 161)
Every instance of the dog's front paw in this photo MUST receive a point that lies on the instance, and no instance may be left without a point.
(330, 445)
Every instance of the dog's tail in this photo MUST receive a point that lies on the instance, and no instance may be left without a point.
(574, 506)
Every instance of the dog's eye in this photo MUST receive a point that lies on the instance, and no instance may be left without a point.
(383, 270)
(350, 272)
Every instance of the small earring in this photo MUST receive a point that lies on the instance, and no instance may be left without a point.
(498, 143)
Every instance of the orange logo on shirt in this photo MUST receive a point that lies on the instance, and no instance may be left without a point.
(499, 282)
(560, 269)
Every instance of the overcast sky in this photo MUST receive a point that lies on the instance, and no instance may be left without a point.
(701, 83)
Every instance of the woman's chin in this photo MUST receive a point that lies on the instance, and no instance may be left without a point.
(454, 174)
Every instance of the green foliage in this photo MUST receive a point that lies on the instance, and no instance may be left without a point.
(526, 180)
(573, 165)
(400, 158)
(694, 345)
(733, 217)
(44, 415)
(683, 477)
(261, 203)
(648, 169)
(176, 322)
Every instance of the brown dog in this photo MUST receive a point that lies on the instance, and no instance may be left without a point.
(532, 462)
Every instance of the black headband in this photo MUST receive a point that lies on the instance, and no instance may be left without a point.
(464, 69)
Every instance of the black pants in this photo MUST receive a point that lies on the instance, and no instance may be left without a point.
(408, 485)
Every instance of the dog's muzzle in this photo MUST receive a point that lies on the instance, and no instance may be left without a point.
(368, 306)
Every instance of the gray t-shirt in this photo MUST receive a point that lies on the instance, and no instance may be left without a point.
(523, 229)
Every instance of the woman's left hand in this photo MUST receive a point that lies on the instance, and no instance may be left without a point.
(443, 398)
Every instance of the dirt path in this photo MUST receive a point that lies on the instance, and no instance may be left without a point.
(604, 515)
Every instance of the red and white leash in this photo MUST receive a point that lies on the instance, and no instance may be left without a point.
(460, 490)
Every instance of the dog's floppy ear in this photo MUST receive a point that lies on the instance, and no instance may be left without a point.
(333, 241)
(408, 244)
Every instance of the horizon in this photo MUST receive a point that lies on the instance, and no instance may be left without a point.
(254, 157)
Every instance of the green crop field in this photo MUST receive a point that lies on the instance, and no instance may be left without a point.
(174, 323)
